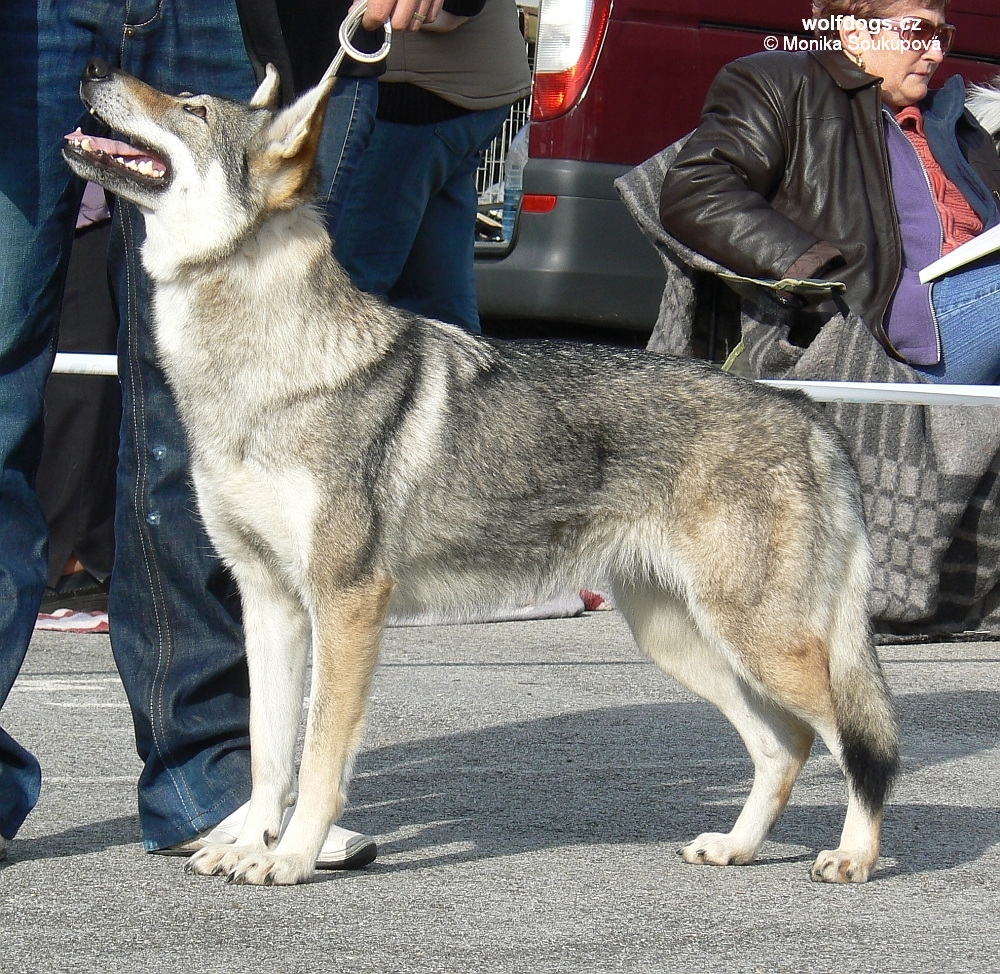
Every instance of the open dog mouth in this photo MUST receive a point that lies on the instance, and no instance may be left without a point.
(131, 161)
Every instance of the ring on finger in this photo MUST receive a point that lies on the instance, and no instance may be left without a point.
(420, 18)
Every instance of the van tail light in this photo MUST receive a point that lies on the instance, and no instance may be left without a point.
(570, 33)
(538, 203)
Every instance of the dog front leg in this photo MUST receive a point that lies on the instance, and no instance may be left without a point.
(347, 629)
(276, 628)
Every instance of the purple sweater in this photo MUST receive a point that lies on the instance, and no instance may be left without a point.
(909, 321)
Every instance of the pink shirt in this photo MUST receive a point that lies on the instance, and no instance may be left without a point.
(959, 220)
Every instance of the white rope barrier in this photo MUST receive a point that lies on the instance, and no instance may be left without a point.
(912, 393)
(78, 363)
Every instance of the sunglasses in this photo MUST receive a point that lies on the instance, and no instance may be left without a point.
(922, 34)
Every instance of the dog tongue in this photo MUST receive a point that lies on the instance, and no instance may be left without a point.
(111, 146)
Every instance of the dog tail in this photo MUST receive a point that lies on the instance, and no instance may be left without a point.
(863, 708)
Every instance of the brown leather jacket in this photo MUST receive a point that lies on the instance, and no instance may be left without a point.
(789, 166)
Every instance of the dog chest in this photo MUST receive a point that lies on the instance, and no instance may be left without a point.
(252, 510)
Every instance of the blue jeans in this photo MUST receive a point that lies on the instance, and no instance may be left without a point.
(174, 616)
(409, 228)
(967, 307)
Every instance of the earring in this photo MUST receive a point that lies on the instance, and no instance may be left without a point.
(861, 62)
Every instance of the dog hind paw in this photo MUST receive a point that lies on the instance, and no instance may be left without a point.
(840, 866)
(716, 849)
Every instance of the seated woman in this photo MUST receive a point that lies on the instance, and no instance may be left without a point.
(844, 163)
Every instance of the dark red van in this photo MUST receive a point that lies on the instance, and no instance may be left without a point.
(615, 82)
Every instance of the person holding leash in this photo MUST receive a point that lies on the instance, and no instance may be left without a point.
(409, 230)
(175, 622)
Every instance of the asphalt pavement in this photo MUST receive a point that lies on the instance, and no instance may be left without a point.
(530, 784)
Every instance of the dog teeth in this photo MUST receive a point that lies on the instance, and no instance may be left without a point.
(145, 168)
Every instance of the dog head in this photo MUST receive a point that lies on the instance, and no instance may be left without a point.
(984, 102)
(204, 170)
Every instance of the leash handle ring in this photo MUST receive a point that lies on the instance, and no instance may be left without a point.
(347, 28)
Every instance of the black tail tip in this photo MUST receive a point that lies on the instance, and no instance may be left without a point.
(872, 770)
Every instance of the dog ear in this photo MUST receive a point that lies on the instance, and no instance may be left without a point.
(298, 127)
(288, 150)
(267, 95)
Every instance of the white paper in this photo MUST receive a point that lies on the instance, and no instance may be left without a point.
(806, 285)
(986, 243)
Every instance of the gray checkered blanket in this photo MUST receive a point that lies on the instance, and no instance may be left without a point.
(929, 474)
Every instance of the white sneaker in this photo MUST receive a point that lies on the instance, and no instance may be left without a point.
(342, 849)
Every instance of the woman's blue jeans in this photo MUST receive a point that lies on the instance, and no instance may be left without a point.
(409, 228)
(174, 616)
(967, 307)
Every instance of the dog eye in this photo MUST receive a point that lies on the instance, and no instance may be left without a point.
(200, 110)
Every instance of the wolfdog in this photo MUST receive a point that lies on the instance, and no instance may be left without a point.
(347, 455)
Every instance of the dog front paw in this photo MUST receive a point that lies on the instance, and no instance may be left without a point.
(217, 859)
(716, 849)
(841, 866)
(268, 869)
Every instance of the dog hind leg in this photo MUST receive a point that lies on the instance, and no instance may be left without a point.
(347, 628)
(857, 854)
(863, 737)
(778, 741)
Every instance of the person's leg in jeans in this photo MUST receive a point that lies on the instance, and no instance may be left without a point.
(967, 307)
(386, 204)
(174, 621)
(175, 638)
(438, 279)
(403, 170)
(43, 45)
(350, 120)
(174, 615)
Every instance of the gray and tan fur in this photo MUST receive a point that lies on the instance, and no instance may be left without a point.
(348, 456)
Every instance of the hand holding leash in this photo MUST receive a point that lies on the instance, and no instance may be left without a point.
(405, 14)
(347, 29)
(402, 14)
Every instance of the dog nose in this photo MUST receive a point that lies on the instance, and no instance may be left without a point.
(97, 69)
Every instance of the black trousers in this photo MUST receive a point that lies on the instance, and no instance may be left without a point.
(76, 477)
